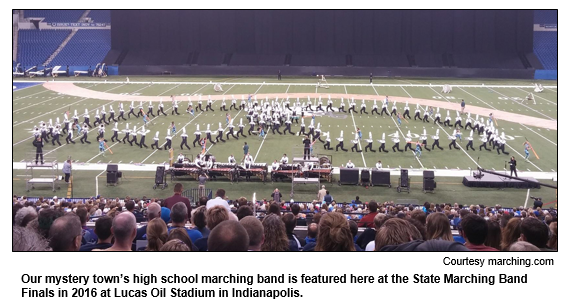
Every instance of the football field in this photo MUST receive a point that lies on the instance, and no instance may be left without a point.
(517, 118)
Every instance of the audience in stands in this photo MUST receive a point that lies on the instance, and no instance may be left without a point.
(104, 224)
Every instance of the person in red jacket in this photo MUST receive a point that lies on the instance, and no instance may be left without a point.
(177, 197)
(367, 221)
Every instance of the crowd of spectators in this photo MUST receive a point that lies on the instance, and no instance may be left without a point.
(219, 224)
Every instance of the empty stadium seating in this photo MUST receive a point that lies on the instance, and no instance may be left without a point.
(53, 15)
(545, 48)
(100, 16)
(36, 46)
(545, 16)
(87, 47)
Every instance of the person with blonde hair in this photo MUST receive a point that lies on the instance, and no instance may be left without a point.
(174, 245)
(523, 246)
(214, 216)
(334, 233)
(396, 231)
(275, 237)
(511, 233)
(157, 234)
(438, 227)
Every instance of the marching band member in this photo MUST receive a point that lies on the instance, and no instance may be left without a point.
(231, 159)
(140, 110)
(382, 147)
(470, 141)
(169, 140)
(468, 122)
(223, 105)
(417, 112)
(342, 107)
(370, 143)
(327, 145)
(375, 108)
(86, 118)
(134, 133)
(284, 160)
(355, 143)
(184, 137)
(319, 104)
(396, 140)
(69, 137)
(437, 116)
(408, 140)
(363, 108)
(161, 108)
(329, 104)
(426, 114)
(103, 115)
(209, 134)
(231, 131)
(394, 108)
(385, 106)
(423, 138)
(97, 119)
(458, 120)
(196, 136)
(101, 132)
(502, 144)
(436, 139)
(174, 106)
(350, 165)
(121, 112)
(241, 129)
(352, 105)
(199, 107)
(143, 133)
(220, 133)
(311, 128)
(453, 142)
(75, 117)
(85, 130)
(44, 132)
(132, 110)
(209, 104)
(447, 120)
(302, 127)
(111, 114)
(209, 163)
(406, 110)
(340, 144)
(252, 124)
(234, 103)
(127, 133)
(288, 125)
(484, 144)
(156, 143)
(150, 109)
(65, 123)
(55, 136)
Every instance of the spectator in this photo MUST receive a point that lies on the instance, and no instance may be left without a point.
(475, 231)
(157, 234)
(419, 215)
(276, 195)
(88, 236)
(322, 192)
(275, 238)
(334, 234)
(229, 235)
(130, 206)
(255, 231)
(511, 233)
(202, 184)
(552, 243)
(176, 198)
(275, 209)
(311, 238)
(244, 211)
(316, 218)
(354, 231)
(45, 219)
(300, 219)
(367, 221)
(174, 245)
(214, 216)
(65, 233)
(431, 245)
(15, 208)
(420, 227)
(438, 227)
(290, 222)
(26, 239)
(179, 218)
(180, 234)
(535, 232)
(396, 231)
(199, 220)
(124, 230)
(25, 215)
(327, 198)
(219, 200)
(368, 236)
(357, 201)
(537, 203)
(202, 201)
(103, 233)
(523, 246)
(494, 237)
(153, 212)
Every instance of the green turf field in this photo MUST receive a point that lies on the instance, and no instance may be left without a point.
(35, 104)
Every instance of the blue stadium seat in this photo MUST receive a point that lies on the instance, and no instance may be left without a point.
(87, 47)
(545, 16)
(55, 16)
(545, 48)
(100, 15)
(36, 46)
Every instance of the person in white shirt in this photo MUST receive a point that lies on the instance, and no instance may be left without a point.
(350, 165)
(284, 159)
(209, 163)
(275, 165)
(180, 158)
(198, 160)
(379, 165)
(248, 160)
(231, 159)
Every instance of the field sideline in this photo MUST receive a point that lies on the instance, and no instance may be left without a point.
(34, 104)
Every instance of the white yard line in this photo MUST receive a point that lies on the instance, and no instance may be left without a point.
(443, 130)
(97, 143)
(24, 97)
(97, 182)
(355, 128)
(519, 123)
(28, 106)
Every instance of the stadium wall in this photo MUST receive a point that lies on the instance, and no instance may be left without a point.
(546, 74)
(328, 32)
